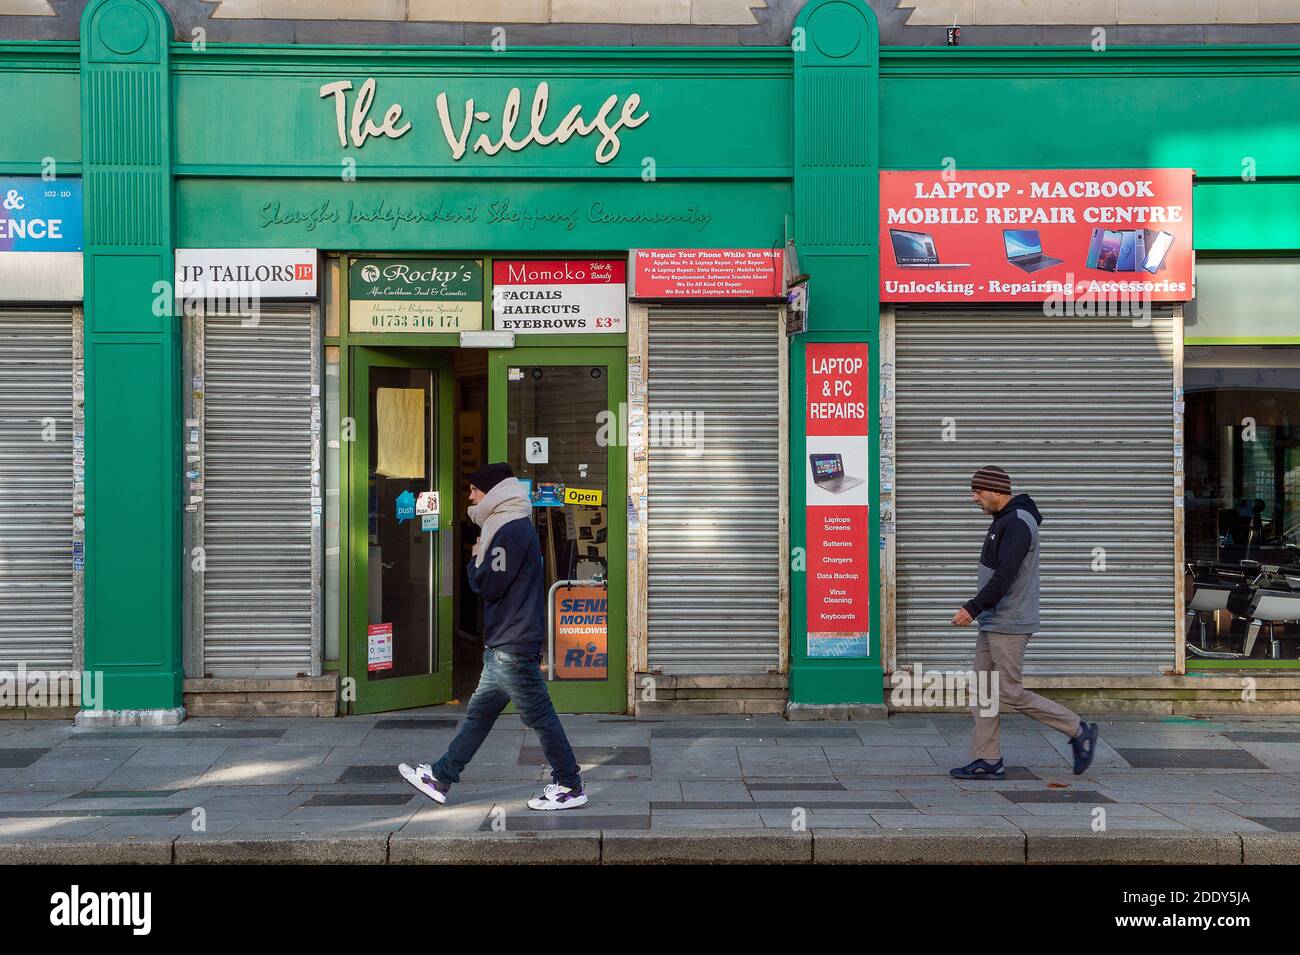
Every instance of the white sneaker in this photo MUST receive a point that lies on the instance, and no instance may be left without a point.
(422, 778)
(556, 796)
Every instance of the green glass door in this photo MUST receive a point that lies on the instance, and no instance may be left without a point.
(553, 417)
(400, 627)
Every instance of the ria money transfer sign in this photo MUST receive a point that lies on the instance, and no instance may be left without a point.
(581, 633)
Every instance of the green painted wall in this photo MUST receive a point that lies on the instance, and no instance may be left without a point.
(709, 113)
(40, 89)
(1056, 108)
(496, 215)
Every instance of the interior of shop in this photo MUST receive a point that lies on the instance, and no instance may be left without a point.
(1242, 498)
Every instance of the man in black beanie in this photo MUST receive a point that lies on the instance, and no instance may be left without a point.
(507, 573)
(1006, 609)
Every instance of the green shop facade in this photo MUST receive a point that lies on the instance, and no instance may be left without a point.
(271, 515)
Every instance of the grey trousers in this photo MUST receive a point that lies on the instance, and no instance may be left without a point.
(1004, 653)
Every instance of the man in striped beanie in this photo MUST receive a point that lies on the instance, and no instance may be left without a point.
(1006, 608)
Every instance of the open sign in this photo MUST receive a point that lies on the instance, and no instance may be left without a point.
(577, 495)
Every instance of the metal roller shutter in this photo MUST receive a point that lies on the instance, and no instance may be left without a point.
(258, 607)
(713, 512)
(36, 618)
(1078, 410)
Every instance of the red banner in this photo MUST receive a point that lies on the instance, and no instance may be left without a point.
(1067, 235)
(838, 477)
(707, 273)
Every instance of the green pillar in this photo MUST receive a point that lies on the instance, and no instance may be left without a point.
(133, 530)
(836, 90)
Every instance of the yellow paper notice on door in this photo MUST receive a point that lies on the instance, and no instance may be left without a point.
(399, 418)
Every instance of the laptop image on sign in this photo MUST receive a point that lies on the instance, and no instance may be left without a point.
(1025, 250)
(915, 250)
(828, 473)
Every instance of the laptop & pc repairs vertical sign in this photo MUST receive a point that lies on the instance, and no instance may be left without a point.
(837, 471)
(1068, 235)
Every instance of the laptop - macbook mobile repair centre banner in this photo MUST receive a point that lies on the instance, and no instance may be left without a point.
(1029, 235)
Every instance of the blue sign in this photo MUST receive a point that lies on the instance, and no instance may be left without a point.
(548, 494)
(838, 645)
(405, 507)
(40, 216)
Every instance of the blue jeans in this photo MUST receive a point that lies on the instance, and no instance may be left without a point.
(506, 677)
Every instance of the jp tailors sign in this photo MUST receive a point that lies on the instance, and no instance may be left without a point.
(1012, 236)
(39, 215)
(270, 273)
(837, 468)
(581, 633)
(573, 295)
(415, 295)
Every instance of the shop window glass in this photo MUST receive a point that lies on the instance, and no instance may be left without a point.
(1244, 298)
(1242, 471)
(554, 426)
(1243, 453)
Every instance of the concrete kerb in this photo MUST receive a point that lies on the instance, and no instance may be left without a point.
(87, 851)
(282, 848)
(919, 846)
(495, 848)
(1270, 848)
(1135, 848)
(671, 846)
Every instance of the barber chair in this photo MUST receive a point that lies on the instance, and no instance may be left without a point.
(1212, 584)
(1260, 595)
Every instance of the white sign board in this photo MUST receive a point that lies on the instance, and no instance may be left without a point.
(559, 296)
(264, 273)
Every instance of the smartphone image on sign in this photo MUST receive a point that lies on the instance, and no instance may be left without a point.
(1127, 250)
(1108, 253)
(1094, 247)
(1159, 248)
(1139, 248)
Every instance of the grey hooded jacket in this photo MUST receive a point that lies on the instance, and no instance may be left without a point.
(1007, 601)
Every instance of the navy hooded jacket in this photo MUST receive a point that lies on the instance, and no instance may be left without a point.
(510, 582)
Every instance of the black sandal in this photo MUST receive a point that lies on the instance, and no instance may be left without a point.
(980, 769)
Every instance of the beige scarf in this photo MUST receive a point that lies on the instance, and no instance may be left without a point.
(504, 503)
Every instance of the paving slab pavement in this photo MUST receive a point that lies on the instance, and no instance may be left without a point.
(703, 789)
